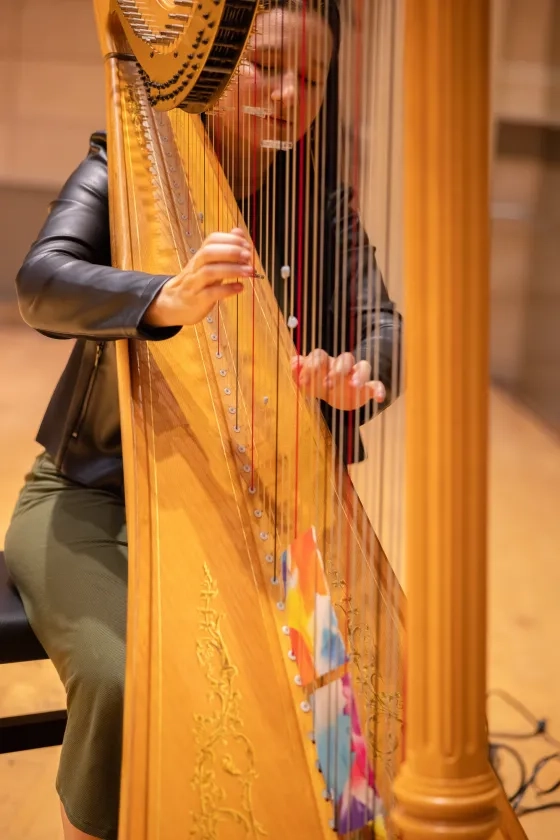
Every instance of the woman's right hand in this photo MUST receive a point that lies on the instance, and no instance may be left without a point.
(187, 298)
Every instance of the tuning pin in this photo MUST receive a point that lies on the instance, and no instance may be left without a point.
(257, 112)
(278, 145)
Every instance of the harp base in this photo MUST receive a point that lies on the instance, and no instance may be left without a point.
(464, 809)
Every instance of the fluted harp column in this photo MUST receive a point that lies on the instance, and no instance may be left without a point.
(446, 788)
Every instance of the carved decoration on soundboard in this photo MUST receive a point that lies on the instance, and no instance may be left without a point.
(384, 708)
(224, 753)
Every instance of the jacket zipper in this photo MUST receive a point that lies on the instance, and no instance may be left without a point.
(84, 407)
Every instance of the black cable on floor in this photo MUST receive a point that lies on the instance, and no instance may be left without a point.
(527, 781)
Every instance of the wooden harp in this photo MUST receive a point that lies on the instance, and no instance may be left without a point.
(240, 508)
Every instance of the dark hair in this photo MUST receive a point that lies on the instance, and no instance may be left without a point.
(330, 10)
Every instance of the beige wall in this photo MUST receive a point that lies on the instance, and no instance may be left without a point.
(51, 85)
(528, 79)
(526, 204)
(22, 211)
(51, 98)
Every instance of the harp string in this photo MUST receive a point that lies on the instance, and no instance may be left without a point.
(394, 456)
(339, 294)
(260, 177)
(380, 115)
(252, 212)
(299, 261)
(375, 478)
(322, 494)
(291, 196)
(314, 284)
(379, 463)
(349, 306)
(235, 174)
(268, 162)
(272, 266)
(356, 291)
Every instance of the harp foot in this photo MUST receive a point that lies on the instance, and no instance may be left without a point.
(464, 809)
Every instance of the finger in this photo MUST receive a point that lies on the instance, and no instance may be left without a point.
(341, 368)
(376, 390)
(361, 374)
(310, 369)
(236, 237)
(212, 246)
(314, 367)
(218, 293)
(218, 270)
(209, 275)
(222, 252)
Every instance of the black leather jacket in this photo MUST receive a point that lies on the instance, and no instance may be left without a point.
(68, 289)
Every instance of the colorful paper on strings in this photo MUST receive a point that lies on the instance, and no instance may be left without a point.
(314, 633)
(342, 752)
(319, 650)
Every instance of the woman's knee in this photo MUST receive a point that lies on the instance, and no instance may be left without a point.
(88, 780)
(95, 673)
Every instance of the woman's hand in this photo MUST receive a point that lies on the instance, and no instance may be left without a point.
(187, 298)
(342, 382)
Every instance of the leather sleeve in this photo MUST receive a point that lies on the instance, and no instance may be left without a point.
(373, 321)
(66, 285)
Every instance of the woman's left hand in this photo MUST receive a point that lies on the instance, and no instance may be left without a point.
(342, 382)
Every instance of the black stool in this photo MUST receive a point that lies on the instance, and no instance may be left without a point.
(18, 643)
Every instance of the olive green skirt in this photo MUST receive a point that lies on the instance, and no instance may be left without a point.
(66, 551)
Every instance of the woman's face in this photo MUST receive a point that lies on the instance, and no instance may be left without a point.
(281, 82)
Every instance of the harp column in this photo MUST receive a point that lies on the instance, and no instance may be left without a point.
(446, 787)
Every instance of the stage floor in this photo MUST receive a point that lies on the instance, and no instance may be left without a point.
(524, 587)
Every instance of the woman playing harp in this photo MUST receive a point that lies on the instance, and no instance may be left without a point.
(67, 544)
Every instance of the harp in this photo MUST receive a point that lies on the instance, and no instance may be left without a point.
(248, 543)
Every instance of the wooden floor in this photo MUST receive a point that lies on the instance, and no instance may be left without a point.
(524, 586)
